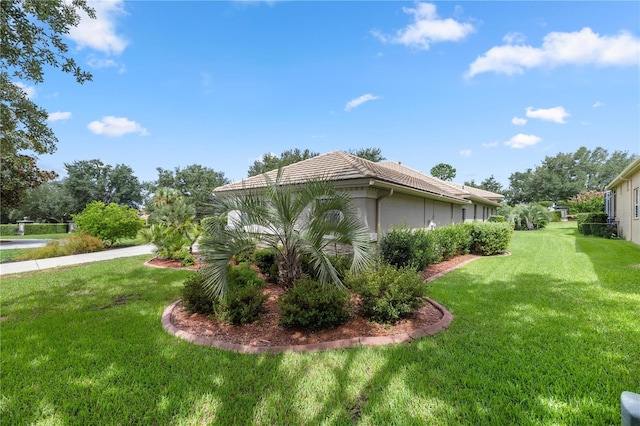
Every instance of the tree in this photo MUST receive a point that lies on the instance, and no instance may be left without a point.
(489, 184)
(443, 171)
(371, 154)
(270, 161)
(529, 216)
(292, 224)
(92, 180)
(48, 201)
(30, 38)
(109, 222)
(564, 175)
(195, 182)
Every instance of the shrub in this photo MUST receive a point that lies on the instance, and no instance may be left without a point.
(387, 294)
(529, 217)
(265, 259)
(396, 247)
(45, 228)
(453, 240)
(242, 304)
(342, 263)
(109, 222)
(78, 243)
(246, 255)
(313, 305)
(496, 218)
(425, 250)
(491, 238)
(194, 297)
(185, 257)
(6, 230)
(242, 275)
(589, 201)
(555, 216)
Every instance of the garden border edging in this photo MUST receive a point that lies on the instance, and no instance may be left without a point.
(418, 333)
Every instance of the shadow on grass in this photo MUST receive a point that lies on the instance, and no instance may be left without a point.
(529, 350)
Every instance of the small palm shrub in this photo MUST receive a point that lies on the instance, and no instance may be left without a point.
(312, 305)
(388, 294)
(529, 217)
(194, 297)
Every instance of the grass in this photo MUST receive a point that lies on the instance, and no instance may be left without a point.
(11, 254)
(549, 335)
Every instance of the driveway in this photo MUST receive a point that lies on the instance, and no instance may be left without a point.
(8, 244)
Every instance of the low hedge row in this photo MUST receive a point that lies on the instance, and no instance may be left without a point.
(597, 229)
(404, 247)
(45, 228)
(8, 230)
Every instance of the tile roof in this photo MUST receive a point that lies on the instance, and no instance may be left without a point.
(340, 166)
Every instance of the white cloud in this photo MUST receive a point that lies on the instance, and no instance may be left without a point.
(427, 28)
(522, 141)
(465, 152)
(560, 48)
(116, 126)
(491, 144)
(59, 115)
(557, 114)
(514, 38)
(30, 91)
(100, 33)
(598, 104)
(517, 121)
(359, 101)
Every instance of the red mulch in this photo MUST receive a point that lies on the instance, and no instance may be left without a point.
(267, 332)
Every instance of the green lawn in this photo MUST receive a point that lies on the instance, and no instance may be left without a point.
(549, 335)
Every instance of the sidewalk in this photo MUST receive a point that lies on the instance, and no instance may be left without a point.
(54, 262)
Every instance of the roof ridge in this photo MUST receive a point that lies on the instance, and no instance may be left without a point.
(357, 163)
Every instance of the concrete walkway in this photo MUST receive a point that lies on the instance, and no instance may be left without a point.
(54, 262)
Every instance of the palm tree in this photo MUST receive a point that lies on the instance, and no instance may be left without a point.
(293, 222)
(529, 216)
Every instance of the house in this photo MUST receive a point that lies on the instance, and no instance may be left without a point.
(385, 194)
(622, 202)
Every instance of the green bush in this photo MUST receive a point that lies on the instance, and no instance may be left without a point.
(388, 294)
(593, 217)
(185, 257)
(425, 250)
(453, 240)
(491, 238)
(78, 243)
(496, 218)
(109, 222)
(194, 297)
(246, 255)
(397, 247)
(8, 230)
(242, 275)
(555, 216)
(342, 263)
(242, 304)
(312, 305)
(265, 259)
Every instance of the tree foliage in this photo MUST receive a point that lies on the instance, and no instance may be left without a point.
(371, 154)
(109, 222)
(489, 184)
(30, 40)
(564, 175)
(48, 202)
(292, 222)
(195, 182)
(92, 180)
(443, 171)
(270, 161)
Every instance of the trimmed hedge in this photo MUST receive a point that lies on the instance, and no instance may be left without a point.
(496, 218)
(403, 247)
(6, 230)
(491, 238)
(45, 228)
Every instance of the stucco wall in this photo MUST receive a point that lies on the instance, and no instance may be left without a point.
(416, 212)
(628, 226)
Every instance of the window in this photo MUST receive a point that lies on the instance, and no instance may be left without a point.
(464, 214)
(475, 212)
(608, 205)
(636, 203)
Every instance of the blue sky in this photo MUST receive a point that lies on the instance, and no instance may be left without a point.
(488, 87)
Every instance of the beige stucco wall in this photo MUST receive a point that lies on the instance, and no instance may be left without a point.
(416, 212)
(628, 226)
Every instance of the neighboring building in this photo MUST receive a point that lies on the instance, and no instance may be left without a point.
(622, 202)
(385, 194)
